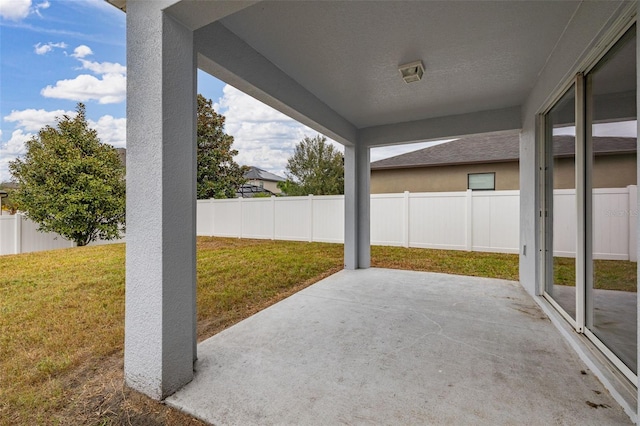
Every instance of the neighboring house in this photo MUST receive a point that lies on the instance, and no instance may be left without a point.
(492, 162)
(249, 190)
(264, 179)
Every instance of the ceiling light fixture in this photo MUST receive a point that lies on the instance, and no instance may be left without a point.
(411, 72)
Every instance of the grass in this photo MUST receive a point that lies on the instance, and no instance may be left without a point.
(62, 311)
(490, 265)
(620, 275)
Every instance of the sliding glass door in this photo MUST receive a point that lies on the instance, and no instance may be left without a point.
(611, 277)
(590, 204)
(560, 199)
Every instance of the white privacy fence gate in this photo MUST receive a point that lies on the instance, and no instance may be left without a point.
(470, 220)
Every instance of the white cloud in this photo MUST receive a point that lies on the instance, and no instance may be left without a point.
(264, 137)
(111, 130)
(103, 67)
(33, 120)
(82, 51)
(15, 10)
(109, 89)
(44, 5)
(41, 49)
(10, 150)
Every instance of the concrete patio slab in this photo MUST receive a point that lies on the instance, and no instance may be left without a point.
(380, 346)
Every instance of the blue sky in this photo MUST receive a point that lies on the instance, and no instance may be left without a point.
(56, 53)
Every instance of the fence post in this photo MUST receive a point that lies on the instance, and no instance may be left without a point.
(405, 220)
(273, 217)
(241, 217)
(212, 209)
(469, 236)
(18, 234)
(633, 222)
(310, 197)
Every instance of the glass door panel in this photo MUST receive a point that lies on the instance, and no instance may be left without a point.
(611, 137)
(560, 202)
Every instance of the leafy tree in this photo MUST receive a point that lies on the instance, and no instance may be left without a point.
(71, 183)
(315, 167)
(218, 174)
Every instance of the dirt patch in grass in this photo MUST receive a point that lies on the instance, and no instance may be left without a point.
(98, 396)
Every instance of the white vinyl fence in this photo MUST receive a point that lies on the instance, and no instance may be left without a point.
(20, 235)
(471, 220)
(615, 215)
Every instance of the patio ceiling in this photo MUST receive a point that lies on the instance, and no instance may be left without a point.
(334, 65)
(477, 55)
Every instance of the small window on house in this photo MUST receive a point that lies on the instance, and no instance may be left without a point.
(482, 181)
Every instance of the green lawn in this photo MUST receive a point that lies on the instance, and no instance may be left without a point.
(62, 311)
(609, 274)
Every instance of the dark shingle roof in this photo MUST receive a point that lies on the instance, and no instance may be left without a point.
(494, 149)
(256, 173)
(564, 146)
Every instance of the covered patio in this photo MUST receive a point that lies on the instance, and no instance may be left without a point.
(341, 68)
(381, 346)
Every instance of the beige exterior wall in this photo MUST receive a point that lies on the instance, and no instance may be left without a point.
(441, 179)
(266, 184)
(610, 171)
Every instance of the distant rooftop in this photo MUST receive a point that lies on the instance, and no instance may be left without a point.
(494, 149)
(259, 174)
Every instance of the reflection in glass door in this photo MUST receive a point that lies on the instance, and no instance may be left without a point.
(560, 202)
(611, 148)
(590, 205)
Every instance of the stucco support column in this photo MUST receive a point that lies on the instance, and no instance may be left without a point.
(160, 337)
(357, 223)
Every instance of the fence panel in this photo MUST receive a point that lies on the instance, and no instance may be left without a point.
(257, 218)
(328, 218)
(388, 219)
(564, 223)
(438, 220)
(32, 240)
(293, 218)
(7, 234)
(227, 218)
(495, 221)
(611, 223)
(205, 217)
